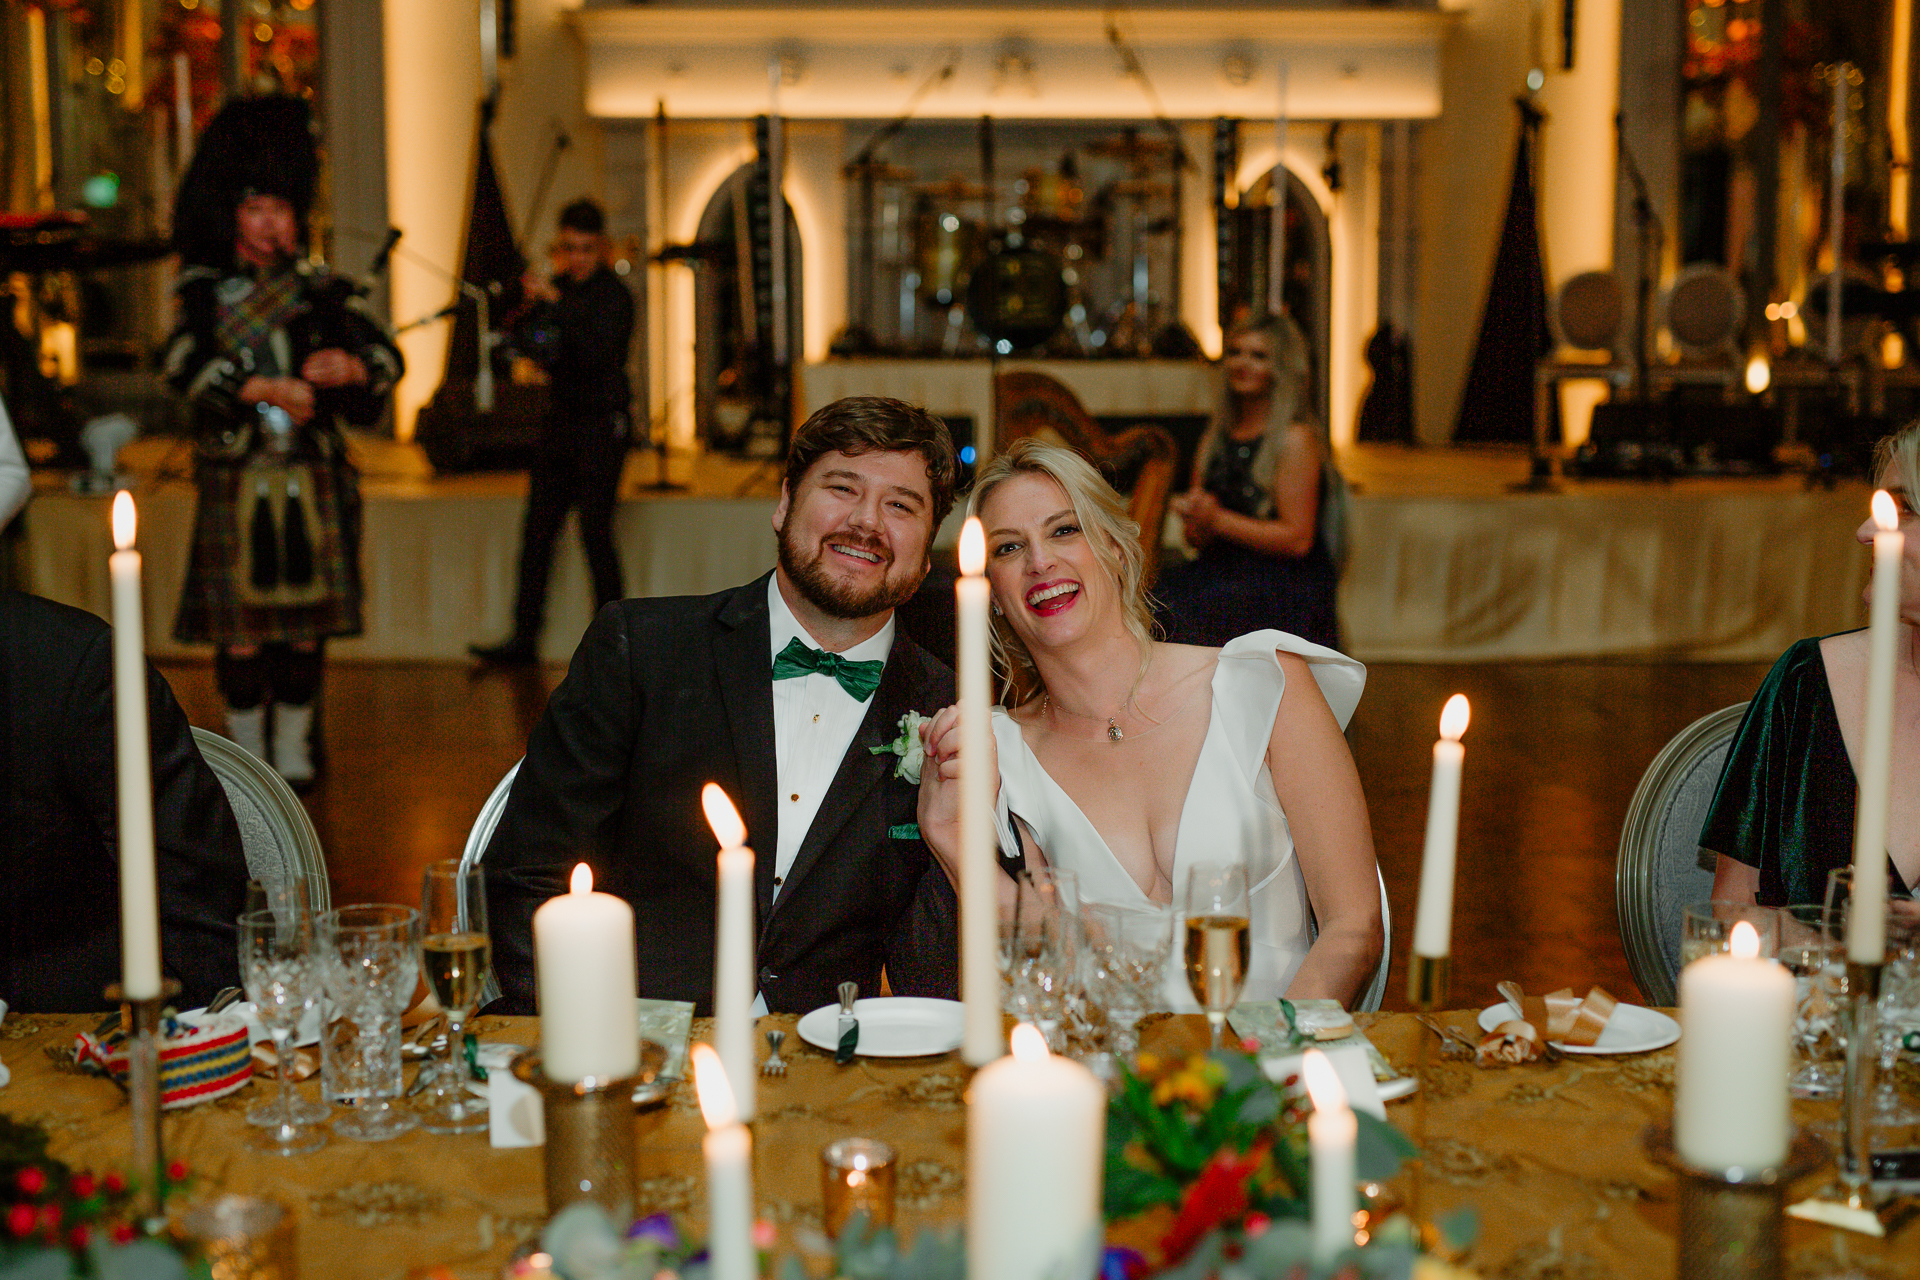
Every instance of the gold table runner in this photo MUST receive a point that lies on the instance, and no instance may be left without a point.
(1549, 1154)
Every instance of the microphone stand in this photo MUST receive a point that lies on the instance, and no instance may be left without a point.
(485, 339)
(1651, 237)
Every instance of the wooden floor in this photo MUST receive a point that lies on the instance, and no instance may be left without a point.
(1553, 756)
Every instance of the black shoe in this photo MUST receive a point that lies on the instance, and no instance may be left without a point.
(513, 652)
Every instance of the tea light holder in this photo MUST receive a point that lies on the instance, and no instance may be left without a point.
(240, 1237)
(142, 1022)
(857, 1174)
(1732, 1221)
(589, 1152)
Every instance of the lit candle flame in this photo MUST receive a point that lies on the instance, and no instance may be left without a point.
(723, 817)
(1744, 942)
(1759, 375)
(1323, 1082)
(123, 520)
(1454, 717)
(973, 548)
(1028, 1044)
(1885, 515)
(710, 1085)
(582, 881)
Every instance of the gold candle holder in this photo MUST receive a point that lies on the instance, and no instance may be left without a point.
(588, 1153)
(1732, 1221)
(141, 1021)
(856, 1174)
(240, 1238)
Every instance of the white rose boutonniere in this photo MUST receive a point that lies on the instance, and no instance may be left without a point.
(912, 752)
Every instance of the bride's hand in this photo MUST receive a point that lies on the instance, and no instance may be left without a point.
(939, 809)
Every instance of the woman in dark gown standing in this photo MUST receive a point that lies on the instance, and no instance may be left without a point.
(1267, 510)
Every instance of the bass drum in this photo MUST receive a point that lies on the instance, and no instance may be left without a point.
(1017, 296)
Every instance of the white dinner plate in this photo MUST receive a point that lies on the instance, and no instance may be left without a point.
(1631, 1029)
(890, 1026)
(1398, 1087)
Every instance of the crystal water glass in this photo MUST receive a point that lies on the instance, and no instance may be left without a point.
(1706, 928)
(1811, 950)
(287, 899)
(1039, 954)
(280, 968)
(455, 952)
(1127, 948)
(371, 962)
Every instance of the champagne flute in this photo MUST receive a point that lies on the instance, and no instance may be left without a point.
(1217, 938)
(454, 954)
(280, 968)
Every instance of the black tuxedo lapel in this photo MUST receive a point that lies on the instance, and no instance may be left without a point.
(745, 669)
(860, 769)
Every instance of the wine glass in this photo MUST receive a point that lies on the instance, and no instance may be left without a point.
(287, 899)
(1038, 952)
(371, 961)
(454, 952)
(280, 968)
(1810, 949)
(1217, 938)
(1127, 950)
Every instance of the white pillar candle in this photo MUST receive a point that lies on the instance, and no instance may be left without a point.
(1433, 925)
(733, 950)
(979, 905)
(583, 950)
(1867, 912)
(1730, 1084)
(1331, 1134)
(728, 1148)
(139, 899)
(1036, 1136)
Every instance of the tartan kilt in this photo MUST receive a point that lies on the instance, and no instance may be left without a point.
(211, 608)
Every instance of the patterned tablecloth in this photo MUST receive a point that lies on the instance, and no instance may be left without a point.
(1550, 1155)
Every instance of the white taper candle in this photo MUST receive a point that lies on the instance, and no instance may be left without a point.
(1433, 924)
(979, 906)
(1332, 1133)
(139, 897)
(728, 1148)
(1867, 912)
(733, 951)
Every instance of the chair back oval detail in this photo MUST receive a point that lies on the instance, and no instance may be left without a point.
(1661, 867)
(278, 837)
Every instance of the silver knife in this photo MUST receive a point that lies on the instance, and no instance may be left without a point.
(847, 1031)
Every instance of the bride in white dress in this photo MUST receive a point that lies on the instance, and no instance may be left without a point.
(1127, 760)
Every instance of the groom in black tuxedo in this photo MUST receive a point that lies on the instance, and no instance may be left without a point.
(779, 691)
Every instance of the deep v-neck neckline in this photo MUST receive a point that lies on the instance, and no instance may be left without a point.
(1186, 799)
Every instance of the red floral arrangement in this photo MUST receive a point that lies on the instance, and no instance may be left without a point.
(51, 1206)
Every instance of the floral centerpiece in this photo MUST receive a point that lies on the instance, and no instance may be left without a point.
(60, 1222)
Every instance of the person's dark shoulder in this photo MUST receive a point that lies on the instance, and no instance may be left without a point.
(924, 670)
(47, 629)
(1796, 673)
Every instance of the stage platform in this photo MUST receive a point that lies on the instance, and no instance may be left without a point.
(1447, 564)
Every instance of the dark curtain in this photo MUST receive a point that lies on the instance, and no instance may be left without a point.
(1498, 404)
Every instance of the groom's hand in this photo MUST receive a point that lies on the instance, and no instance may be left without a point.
(939, 809)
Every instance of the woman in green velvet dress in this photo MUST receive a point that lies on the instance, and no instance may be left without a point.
(1783, 815)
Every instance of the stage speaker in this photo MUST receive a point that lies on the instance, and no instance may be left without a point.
(456, 437)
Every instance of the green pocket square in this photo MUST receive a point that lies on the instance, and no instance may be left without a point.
(905, 831)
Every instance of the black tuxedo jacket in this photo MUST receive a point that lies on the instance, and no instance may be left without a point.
(664, 696)
(59, 823)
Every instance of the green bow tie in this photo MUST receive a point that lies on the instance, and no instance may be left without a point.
(799, 658)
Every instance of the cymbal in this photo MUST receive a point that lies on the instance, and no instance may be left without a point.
(954, 188)
(1138, 188)
(1130, 146)
(879, 171)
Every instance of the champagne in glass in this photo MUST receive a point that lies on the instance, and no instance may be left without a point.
(1217, 938)
(455, 954)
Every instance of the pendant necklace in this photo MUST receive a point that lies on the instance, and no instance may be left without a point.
(1114, 732)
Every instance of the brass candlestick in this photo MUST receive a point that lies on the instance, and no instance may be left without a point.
(1860, 1018)
(1732, 1221)
(141, 1022)
(589, 1152)
(1426, 990)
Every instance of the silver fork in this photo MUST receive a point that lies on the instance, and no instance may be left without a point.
(775, 1065)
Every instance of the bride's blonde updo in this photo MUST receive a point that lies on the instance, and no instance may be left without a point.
(1112, 534)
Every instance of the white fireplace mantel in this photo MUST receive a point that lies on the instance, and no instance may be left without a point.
(851, 62)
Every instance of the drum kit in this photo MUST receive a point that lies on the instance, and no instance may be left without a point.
(1044, 269)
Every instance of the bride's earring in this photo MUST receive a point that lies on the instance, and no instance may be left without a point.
(997, 610)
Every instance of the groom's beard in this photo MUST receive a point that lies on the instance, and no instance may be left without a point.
(837, 599)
